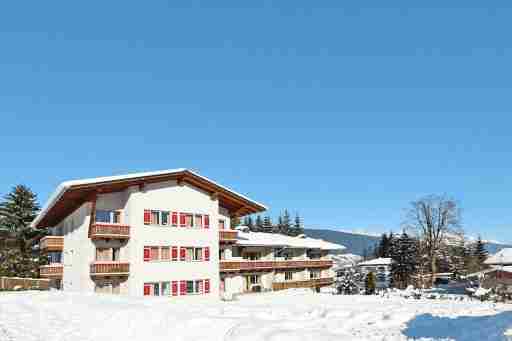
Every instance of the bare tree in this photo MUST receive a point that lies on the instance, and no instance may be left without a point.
(432, 218)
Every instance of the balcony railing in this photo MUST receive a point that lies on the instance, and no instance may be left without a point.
(51, 244)
(53, 271)
(248, 265)
(312, 283)
(110, 269)
(111, 231)
(228, 236)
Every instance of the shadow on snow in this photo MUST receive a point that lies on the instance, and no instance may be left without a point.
(462, 328)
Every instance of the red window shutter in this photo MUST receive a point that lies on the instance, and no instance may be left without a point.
(147, 254)
(206, 286)
(207, 254)
(174, 253)
(206, 221)
(175, 288)
(183, 288)
(147, 217)
(147, 289)
(183, 221)
(174, 221)
(183, 254)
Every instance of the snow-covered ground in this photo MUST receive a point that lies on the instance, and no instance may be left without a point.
(289, 315)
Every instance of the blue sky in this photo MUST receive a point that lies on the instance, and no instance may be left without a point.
(345, 112)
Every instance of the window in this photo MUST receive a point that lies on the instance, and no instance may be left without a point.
(194, 254)
(154, 253)
(190, 287)
(253, 279)
(189, 220)
(288, 276)
(156, 289)
(108, 216)
(55, 257)
(103, 254)
(194, 287)
(222, 224)
(198, 222)
(115, 254)
(198, 254)
(165, 218)
(155, 218)
(190, 254)
(166, 289)
(108, 254)
(116, 217)
(165, 253)
(252, 255)
(314, 274)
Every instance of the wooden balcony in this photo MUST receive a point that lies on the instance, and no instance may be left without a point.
(51, 244)
(228, 236)
(52, 271)
(109, 231)
(101, 269)
(312, 283)
(248, 265)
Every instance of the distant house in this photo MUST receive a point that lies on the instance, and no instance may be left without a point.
(381, 267)
(502, 258)
(493, 277)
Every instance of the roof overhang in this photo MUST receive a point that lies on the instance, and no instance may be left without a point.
(71, 195)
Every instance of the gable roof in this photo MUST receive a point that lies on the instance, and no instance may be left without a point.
(70, 195)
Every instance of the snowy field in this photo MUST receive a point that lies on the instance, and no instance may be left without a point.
(283, 316)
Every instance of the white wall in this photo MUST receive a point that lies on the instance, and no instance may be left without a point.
(169, 196)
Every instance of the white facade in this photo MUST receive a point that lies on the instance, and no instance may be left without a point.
(160, 234)
(381, 267)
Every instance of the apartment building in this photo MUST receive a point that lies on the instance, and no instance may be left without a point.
(257, 262)
(167, 233)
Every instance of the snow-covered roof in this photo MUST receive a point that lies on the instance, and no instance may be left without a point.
(491, 270)
(66, 185)
(502, 257)
(377, 261)
(279, 240)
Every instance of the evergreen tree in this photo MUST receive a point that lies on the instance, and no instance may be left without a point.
(480, 253)
(382, 250)
(18, 210)
(286, 223)
(370, 283)
(250, 223)
(403, 250)
(279, 227)
(297, 226)
(267, 224)
(259, 224)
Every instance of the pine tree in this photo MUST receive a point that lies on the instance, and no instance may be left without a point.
(297, 226)
(403, 250)
(279, 227)
(258, 224)
(250, 223)
(382, 249)
(18, 210)
(267, 224)
(286, 223)
(480, 253)
(370, 283)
